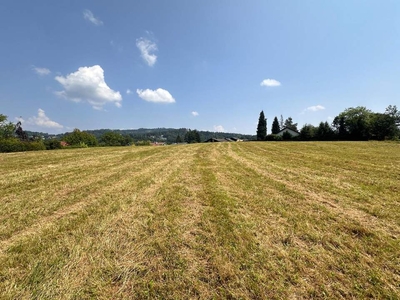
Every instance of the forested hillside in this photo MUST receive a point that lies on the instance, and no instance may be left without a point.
(168, 135)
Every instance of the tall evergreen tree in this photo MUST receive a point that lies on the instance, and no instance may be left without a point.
(275, 126)
(281, 124)
(262, 127)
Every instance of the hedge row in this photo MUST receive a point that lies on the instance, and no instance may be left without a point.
(14, 145)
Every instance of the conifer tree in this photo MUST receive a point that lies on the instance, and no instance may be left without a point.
(275, 126)
(262, 127)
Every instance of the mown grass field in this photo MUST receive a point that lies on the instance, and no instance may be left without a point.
(209, 221)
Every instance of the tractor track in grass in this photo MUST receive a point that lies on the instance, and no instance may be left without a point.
(66, 199)
(206, 221)
(51, 219)
(313, 195)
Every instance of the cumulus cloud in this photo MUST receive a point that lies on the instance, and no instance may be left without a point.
(315, 108)
(88, 15)
(128, 91)
(88, 85)
(157, 96)
(219, 128)
(42, 120)
(195, 113)
(147, 48)
(270, 82)
(41, 71)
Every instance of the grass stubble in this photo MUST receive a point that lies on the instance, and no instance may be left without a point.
(206, 221)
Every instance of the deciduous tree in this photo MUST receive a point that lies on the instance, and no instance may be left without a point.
(6, 128)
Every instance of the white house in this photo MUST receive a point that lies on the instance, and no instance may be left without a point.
(292, 132)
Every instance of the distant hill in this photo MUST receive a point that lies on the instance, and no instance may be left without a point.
(167, 135)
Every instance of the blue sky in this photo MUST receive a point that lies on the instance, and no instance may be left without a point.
(207, 65)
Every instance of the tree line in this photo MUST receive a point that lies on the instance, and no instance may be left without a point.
(353, 124)
(13, 138)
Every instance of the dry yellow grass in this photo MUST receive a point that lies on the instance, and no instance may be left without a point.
(206, 221)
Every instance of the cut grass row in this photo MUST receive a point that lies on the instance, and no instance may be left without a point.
(230, 220)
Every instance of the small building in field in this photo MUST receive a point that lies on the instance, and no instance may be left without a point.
(292, 132)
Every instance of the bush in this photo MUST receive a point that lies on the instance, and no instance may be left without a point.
(77, 137)
(286, 136)
(80, 145)
(15, 145)
(52, 144)
(143, 143)
(273, 137)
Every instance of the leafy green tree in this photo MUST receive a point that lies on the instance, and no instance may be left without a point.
(307, 132)
(6, 128)
(52, 144)
(178, 139)
(324, 132)
(340, 128)
(275, 126)
(111, 138)
(261, 127)
(393, 112)
(289, 124)
(128, 140)
(382, 126)
(192, 136)
(353, 123)
(77, 137)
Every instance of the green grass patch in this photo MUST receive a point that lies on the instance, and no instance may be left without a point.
(258, 220)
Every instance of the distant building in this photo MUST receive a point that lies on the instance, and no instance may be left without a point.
(158, 144)
(232, 139)
(292, 132)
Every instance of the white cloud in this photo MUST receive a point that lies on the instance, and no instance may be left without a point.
(270, 82)
(88, 15)
(43, 121)
(315, 108)
(219, 128)
(87, 84)
(128, 91)
(41, 71)
(195, 113)
(146, 48)
(158, 95)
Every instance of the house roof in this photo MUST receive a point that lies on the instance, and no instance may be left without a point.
(288, 129)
